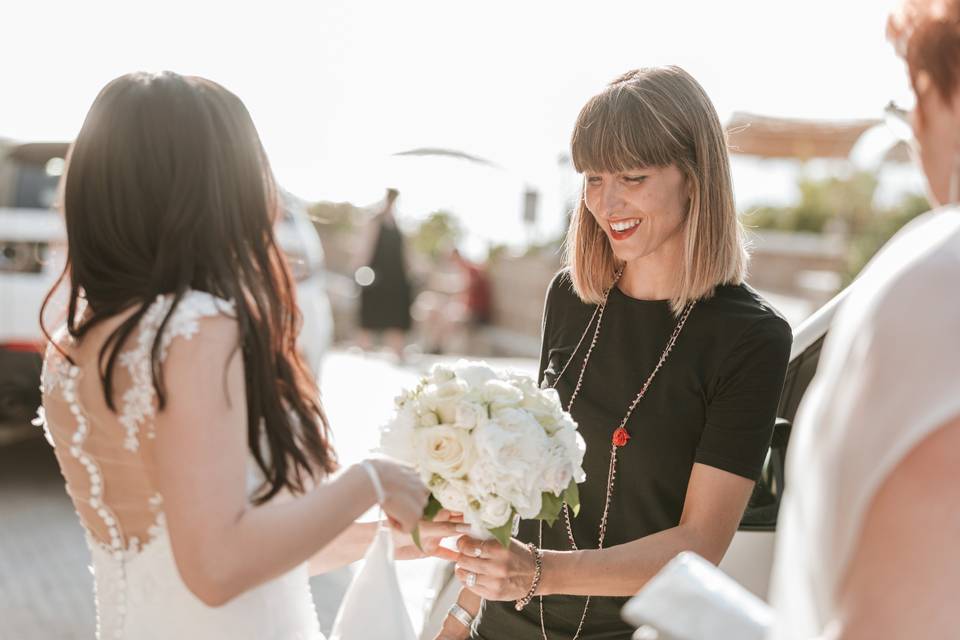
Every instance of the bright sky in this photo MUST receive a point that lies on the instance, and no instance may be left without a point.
(337, 86)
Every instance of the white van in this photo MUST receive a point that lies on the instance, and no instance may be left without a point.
(32, 251)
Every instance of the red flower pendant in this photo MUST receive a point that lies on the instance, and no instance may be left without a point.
(620, 437)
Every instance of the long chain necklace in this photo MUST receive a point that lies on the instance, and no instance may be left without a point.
(620, 434)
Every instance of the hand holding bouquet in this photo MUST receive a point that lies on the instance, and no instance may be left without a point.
(488, 444)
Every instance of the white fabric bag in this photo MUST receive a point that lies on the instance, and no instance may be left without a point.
(690, 599)
(373, 605)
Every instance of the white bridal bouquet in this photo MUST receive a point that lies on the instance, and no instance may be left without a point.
(489, 444)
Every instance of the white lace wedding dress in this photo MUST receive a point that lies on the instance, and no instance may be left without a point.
(105, 459)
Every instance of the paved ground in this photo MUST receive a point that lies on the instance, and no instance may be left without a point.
(46, 590)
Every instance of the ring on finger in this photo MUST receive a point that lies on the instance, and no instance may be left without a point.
(479, 550)
(471, 579)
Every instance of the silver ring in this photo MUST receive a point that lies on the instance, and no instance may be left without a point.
(471, 579)
(479, 550)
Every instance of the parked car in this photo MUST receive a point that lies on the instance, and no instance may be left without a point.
(32, 250)
(749, 559)
(32, 243)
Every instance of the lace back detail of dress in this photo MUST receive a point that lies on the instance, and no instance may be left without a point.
(102, 453)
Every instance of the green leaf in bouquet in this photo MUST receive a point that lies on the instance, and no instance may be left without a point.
(416, 537)
(429, 513)
(432, 509)
(572, 497)
(550, 509)
(503, 533)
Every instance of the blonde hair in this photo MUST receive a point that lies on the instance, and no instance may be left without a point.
(658, 117)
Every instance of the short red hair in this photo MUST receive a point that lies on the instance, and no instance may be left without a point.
(927, 34)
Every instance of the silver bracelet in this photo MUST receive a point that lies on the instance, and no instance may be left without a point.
(461, 614)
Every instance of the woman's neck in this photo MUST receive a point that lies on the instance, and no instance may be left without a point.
(655, 276)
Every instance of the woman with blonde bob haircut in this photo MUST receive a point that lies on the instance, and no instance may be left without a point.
(670, 364)
(658, 118)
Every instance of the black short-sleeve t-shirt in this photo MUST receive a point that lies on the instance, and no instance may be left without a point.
(714, 402)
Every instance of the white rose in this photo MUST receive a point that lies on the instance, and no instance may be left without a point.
(443, 398)
(501, 394)
(475, 374)
(495, 511)
(444, 450)
(427, 418)
(452, 494)
(469, 414)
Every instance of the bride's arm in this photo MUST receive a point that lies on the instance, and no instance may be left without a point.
(222, 545)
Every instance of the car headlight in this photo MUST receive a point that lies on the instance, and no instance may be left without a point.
(22, 257)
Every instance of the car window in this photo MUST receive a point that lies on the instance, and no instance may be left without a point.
(35, 188)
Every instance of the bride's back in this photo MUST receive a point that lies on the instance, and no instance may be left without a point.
(94, 445)
(106, 452)
(169, 205)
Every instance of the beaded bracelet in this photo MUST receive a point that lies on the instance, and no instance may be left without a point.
(538, 573)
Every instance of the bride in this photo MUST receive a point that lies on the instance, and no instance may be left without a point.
(185, 423)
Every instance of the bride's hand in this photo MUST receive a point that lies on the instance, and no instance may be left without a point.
(443, 525)
(405, 495)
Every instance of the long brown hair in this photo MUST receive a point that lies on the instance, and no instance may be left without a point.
(168, 189)
(654, 118)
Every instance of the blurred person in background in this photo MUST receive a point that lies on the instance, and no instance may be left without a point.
(186, 425)
(385, 294)
(867, 541)
(475, 294)
(457, 308)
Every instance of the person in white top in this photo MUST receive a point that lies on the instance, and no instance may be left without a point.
(187, 426)
(870, 524)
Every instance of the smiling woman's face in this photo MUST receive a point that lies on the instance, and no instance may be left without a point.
(642, 211)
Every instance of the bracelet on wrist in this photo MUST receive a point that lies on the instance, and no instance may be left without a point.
(538, 573)
(461, 615)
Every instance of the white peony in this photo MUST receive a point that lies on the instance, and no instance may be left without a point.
(558, 471)
(475, 374)
(469, 414)
(526, 499)
(444, 450)
(514, 454)
(574, 449)
(545, 407)
(484, 476)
